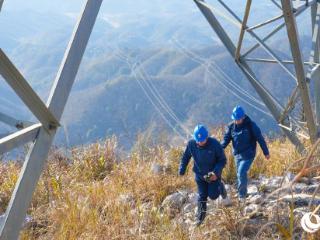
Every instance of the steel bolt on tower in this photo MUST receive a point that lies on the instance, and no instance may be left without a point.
(40, 134)
(290, 125)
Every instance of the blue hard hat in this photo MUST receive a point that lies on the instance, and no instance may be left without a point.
(200, 133)
(237, 113)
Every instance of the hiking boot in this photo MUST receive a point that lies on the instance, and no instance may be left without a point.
(201, 213)
(223, 191)
(199, 222)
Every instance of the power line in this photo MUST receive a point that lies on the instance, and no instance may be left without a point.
(163, 102)
(154, 104)
(223, 84)
(125, 58)
(201, 60)
(156, 93)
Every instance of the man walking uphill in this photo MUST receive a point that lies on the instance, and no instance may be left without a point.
(244, 134)
(209, 160)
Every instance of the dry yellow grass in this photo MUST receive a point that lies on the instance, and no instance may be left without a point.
(78, 197)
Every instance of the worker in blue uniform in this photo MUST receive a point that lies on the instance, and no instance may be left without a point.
(208, 161)
(244, 134)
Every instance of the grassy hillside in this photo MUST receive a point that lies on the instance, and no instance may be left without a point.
(97, 194)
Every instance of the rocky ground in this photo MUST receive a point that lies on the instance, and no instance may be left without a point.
(267, 209)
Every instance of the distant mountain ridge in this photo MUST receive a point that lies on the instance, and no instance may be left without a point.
(107, 98)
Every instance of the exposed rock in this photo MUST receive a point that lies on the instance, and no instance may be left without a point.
(193, 198)
(145, 207)
(126, 199)
(298, 188)
(179, 222)
(301, 199)
(252, 189)
(190, 215)
(211, 205)
(158, 169)
(256, 181)
(301, 211)
(189, 207)
(311, 188)
(289, 177)
(252, 227)
(173, 203)
(224, 202)
(189, 222)
(306, 180)
(270, 184)
(272, 206)
(261, 208)
(251, 208)
(256, 199)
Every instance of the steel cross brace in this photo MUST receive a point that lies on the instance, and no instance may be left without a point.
(14, 122)
(299, 68)
(276, 4)
(314, 74)
(266, 60)
(261, 43)
(42, 136)
(17, 82)
(269, 35)
(272, 104)
(243, 29)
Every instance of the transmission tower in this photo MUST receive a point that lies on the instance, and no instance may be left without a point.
(40, 134)
(288, 116)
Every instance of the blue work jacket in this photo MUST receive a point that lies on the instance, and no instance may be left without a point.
(209, 158)
(244, 139)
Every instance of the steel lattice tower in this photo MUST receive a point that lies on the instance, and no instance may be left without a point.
(304, 73)
(40, 134)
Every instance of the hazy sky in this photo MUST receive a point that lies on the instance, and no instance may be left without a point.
(146, 8)
(111, 6)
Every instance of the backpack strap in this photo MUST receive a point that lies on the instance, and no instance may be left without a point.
(250, 128)
(232, 125)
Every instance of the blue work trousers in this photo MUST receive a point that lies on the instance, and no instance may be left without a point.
(243, 166)
(205, 189)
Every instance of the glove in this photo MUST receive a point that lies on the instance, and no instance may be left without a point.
(208, 176)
